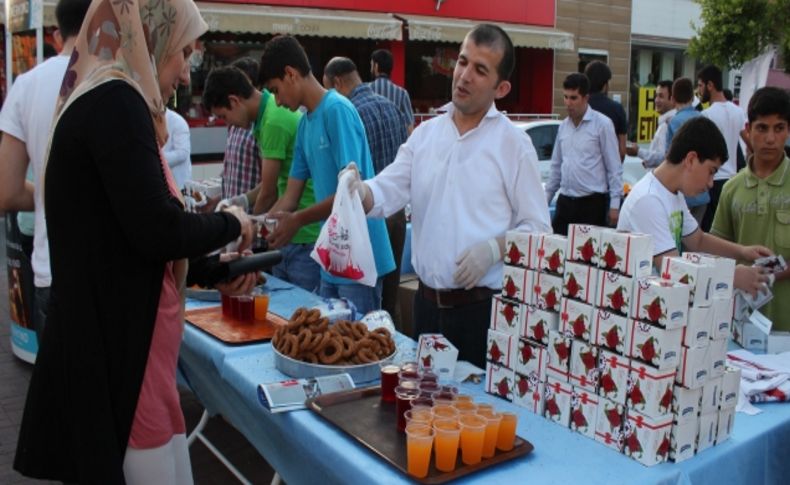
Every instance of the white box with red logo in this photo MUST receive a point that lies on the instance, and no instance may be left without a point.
(696, 275)
(538, 323)
(650, 390)
(730, 386)
(520, 248)
(694, 368)
(575, 319)
(721, 283)
(656, 346)
(614, 375)
(615, 292)
(722, 319)
(579, 282)
(661, 302)
(609, 330)
(708, 430)
(627, 253)
(551, 253)
(500, 381)
(747, 335)
(584, 243)
(647, 440)
(685, 404)
(557, 401)
(528, 393)
(507, 316)
(436, 350)
(559, 351)
(501, 349)
(684, 440)
(547, 291)
(696, 334)
(724, 425)
(609, 424)
(717, 358)
(584, 411)
(517, 283)
(711, 395)
(584, 366)
(532, 359)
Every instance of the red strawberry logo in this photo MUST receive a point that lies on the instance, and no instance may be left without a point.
(610, 258)
(526, 353)
(495, 353)
(509, 313)
(614, 418)
(616, 298)
(648, 349)
(503, 388)
(439, 346)
(427, 361)
(510, 287)
(633, 444)
(523, 386)
(514, 255)
(607, 383)
(636, 396)
(551, 298)
(578, 419)
(554, 261)
(587, 250)
(654, 312)
(562, 350)
(684, 279)
(579, 327)
(663, 448)
(588, 359)
(572, 287)
(538, 331)
(552, 409)
(666, 399)
(612, 339)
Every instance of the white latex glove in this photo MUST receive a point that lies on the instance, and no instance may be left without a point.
(238, 201)
(356, 185)
(475, 262)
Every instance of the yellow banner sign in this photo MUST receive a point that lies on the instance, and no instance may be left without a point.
(647, 120)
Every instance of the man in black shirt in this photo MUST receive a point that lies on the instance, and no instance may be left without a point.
(599, 75)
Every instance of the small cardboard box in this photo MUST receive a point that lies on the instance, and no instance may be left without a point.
(685, 404)
(694, 368)
(725, 423)
(708, 430)
(551, 253)
(575, 319)
(579, 282)
(721, 283)
(630, 254)
(584, 366)
(615, 292)
(656, 346)
(711, 395)
(650, 390)
(615, 373)
(730, 386)
(557, 405)
(584, 243)
(609, 330)
(520, 249)
(696, 275)
(584, 411)
(717, 358)
(547, 292)
(532, 359)
(660, 302)
(684, 440)
(747, 335)
(528, 393)
(538, 323)
(696, 334)
(436, 349)
(500, 381)
(647, 440)
(507, 316)
(559, 350)
(516, 284)
(722, 319)
(501, 349)
(609, 424)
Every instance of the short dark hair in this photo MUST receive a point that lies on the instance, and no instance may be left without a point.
(223, 82)
(577, 81)
(666, 84)
(683, 90)
(280, 52)
(339, 66)
(769, 101)
(70, 15)
(493, 36)
(701, 135)
(711, 73)
(728, 94)
(248, 66)
(599, 74)
(49, 50)
(383, 58)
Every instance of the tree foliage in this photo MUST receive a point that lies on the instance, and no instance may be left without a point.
(735, 31)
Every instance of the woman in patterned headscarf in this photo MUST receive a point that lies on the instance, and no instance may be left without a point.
(102, 405)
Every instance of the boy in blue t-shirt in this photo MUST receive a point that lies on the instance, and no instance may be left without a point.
(328, 137)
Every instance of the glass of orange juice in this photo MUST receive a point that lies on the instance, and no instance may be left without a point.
(418, 415)
(443, 411)
(464, 397)
(419, 440)
(473, 430)
(507, 432)
(447, 435)
(261, 302)
(492, 430)
(465, 407)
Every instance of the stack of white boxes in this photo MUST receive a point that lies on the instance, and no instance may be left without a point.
(583, 335)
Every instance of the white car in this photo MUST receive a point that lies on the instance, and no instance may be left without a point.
(544, 132)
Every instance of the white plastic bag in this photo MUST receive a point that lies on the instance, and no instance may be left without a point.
(343, 247)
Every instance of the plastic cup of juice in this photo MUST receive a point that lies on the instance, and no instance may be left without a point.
(418, 415)
(403, 400)
(464, 397)
(261, 302)
(389, 381)
(465, 407)
(484, 407)
(444, 411)
(492, 431)
(419, 441)
(507, 431)
(473, 430)
(447, 434)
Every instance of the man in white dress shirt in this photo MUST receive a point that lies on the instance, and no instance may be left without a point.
(585, 164)
(177, 148)
(665, 106)
(470, 176)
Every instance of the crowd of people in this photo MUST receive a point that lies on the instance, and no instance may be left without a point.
(109, 219)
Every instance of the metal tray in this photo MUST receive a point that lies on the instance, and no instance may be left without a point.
(359, 373)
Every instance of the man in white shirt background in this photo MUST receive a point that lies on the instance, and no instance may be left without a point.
(470, 176)
(178, 147)
(585, 163)
(665, 106)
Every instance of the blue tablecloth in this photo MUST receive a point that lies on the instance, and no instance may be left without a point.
(303, 448)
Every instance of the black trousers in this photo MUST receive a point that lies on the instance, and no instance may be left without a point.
(590, 209)
(465, 326)
(715, 193)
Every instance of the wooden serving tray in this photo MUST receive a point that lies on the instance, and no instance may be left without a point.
(361, 414)
(233, 331)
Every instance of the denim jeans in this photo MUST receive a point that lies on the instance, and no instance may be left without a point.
(298, 267)
(365, 298)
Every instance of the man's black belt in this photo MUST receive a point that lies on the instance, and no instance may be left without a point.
(455, 297)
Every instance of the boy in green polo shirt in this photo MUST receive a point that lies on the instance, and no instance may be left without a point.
(754, 207)
(230, 96)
